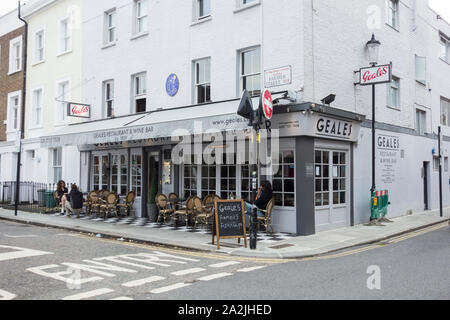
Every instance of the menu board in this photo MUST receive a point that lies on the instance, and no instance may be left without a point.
(229, 220)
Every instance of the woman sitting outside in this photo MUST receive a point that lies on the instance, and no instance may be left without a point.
(62, 192)
(74, 201)
(262, 198)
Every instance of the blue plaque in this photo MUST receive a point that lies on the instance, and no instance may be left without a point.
(172, 85)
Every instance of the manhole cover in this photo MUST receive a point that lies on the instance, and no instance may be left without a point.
(282, 246)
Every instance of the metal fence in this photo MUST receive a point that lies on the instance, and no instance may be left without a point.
(28, 191)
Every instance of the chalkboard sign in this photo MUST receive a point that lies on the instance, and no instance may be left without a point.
(229, 220)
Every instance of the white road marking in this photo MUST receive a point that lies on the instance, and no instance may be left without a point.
(170, 288)
(141, 282)
(17, 237)
(224, 264)
(250, 269)
(215, 276)
(89, 294)
(122, 298)
(187, 271)
(20, 253)
(5, 295)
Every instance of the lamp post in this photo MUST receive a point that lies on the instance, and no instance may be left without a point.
(373, 47)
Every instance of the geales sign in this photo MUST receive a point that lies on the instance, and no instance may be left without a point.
(375, 75)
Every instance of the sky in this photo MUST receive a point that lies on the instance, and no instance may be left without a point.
(441, 6)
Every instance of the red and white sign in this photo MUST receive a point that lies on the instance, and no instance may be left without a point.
(79, 110)
(267, 105)
(375, 75)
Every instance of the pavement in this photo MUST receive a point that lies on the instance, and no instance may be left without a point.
(284, 247)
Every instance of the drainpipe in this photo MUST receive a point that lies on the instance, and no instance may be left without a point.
(22, 118)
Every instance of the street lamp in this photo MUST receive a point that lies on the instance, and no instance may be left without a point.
(373, 49)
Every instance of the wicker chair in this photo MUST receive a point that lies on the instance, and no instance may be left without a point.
(57, 207)
(185, 211)
(110, 204)
(163, 207)
(173, 200)
(129, 202)
(91, 199)
(97, 201)
(267, 219)
(206, 210)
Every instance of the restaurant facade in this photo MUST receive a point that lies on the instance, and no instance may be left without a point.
(144, 103)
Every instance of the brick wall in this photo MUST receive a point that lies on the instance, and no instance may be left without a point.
(8, 83)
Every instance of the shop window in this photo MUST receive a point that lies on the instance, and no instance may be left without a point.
(136, 174)
(330, 172)
(339, 177)
(250, 71)
(246, 182)
(190, 180)
(284, 179)
(57, 164)
(119, 174)
(100, 172)
(228, 178)
(208, 180)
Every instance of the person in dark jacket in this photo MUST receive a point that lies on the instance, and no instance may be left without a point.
(262, 198)
(74, 201)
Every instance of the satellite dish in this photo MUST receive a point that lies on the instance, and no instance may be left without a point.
(245, 109)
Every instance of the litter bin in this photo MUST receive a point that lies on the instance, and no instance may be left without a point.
(49, 200)
(41, 197)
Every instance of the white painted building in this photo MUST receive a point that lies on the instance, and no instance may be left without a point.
(215, 49)
(54, 75)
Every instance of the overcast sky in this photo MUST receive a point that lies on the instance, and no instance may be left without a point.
(441, 6)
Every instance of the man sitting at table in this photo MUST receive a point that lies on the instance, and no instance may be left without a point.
(262, 198)
(74, 202)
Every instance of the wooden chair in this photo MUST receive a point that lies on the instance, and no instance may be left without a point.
(267, 219)
(110, 204)
(185, 211)
(128, 204)
(162, 204)
(91, 199)
(205, 211)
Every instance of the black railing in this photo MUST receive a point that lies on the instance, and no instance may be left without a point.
(31, 194)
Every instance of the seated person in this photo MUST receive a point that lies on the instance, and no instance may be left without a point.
(262, 198)
(62, 191)
(74, 201)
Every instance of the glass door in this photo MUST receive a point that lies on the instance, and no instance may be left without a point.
(119, 173)
(100, 172)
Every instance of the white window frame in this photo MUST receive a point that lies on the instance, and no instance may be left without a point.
(197, 10)
(137, 18)
(10, 120)
(419, 127)
(242, 76)
(15, 60)
(137, 188)
(108, 28)
(61, 105)
(56, 166)
(241, 4)
(138, 95)
(63, 37)
(106, 99)
(101, 175)
(444, 42)
(196, 84)
(37, 49)
(445, 104)
(34, 107)
(390, 88)
(421, 69)
(120, 165)
(392, 13)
